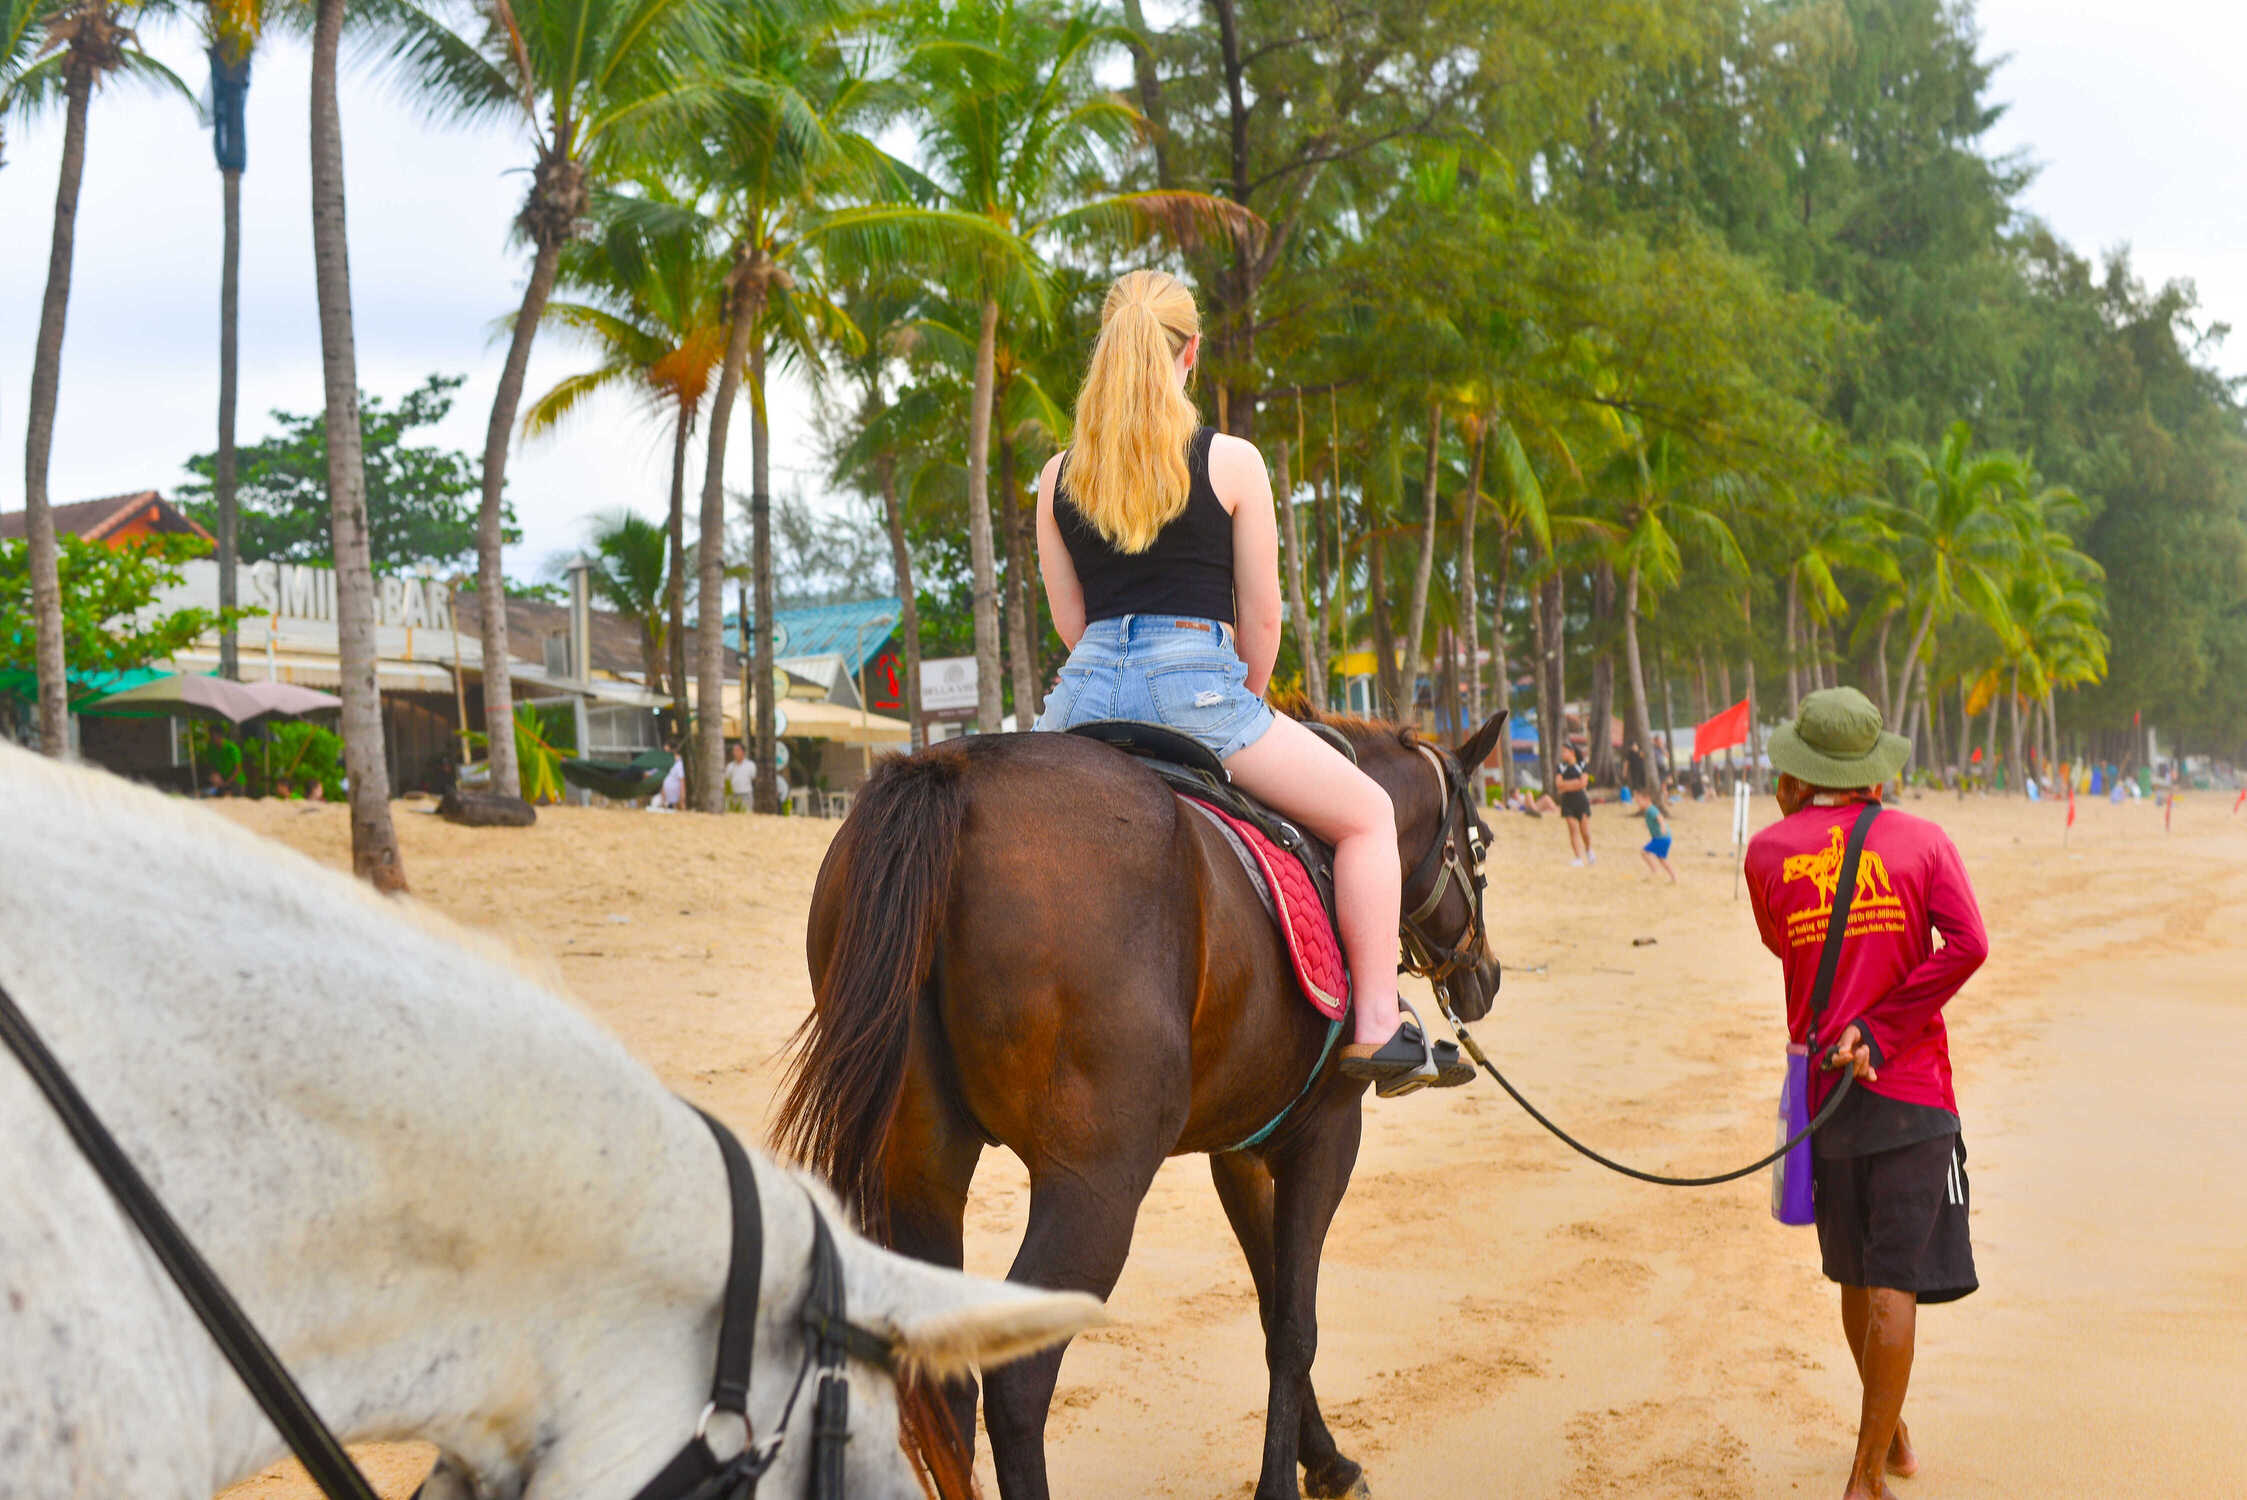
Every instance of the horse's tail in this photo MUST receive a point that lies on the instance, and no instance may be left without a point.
(884, 887)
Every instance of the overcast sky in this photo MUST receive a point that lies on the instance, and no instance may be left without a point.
(2130, 111)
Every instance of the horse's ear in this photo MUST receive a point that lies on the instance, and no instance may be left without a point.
(1477, 747)
(944, 1323)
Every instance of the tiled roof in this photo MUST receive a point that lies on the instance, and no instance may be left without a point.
(855, 631)
(93, 519)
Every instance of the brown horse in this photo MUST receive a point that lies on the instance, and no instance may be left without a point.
(1025, 940)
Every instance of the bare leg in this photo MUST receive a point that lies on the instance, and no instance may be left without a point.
(1856, 1311)
(1880, 1326)
(1307, 779)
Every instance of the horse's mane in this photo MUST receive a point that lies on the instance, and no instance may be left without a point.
(1353, 727)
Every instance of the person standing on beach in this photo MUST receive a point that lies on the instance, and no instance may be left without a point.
(1575, 807)
(1890, 1166)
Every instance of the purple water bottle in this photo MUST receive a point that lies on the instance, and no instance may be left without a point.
(1791, 1201)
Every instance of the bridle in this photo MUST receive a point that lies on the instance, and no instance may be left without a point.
(702, 1470)
(1432, 958)
(730, 1470)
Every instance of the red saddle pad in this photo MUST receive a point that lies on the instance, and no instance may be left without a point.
(1312, 944)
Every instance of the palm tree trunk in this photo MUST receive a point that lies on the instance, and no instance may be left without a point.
(491, 581)
(1424, 567)
(1965, 731)
(229, 367)
(1669, 706)
(1392, 704)
(1334, 637)
(2018, 767)
(1755, 759)
(1298, 607)
(707, 784)
(990, 702)
(1911, 663)
(1794, 612)
(1470, 601)
(1700, 686)
(901, 559)
(675, 615)
(744, 314)
(1501, 673)
(767, 798)
(1552, 695)
(374, 842)
(1642, 728)
(1018, 614)
(39, 417)
(1601, 747)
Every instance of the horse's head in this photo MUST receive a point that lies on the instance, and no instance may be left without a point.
(1441, 839)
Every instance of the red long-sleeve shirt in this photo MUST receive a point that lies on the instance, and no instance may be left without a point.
(1892, 980)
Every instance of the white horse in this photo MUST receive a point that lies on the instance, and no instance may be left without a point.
(455, 1207)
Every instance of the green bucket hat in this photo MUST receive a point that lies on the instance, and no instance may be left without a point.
(1837, 741)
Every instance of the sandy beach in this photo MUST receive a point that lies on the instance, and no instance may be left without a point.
(1573, 1333)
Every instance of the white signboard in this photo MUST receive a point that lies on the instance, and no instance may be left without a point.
(948, 685)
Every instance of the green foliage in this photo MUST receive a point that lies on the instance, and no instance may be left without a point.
(107, 595)
(421, 501)
(542, 742)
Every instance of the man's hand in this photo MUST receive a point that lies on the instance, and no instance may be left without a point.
(1851, 1052)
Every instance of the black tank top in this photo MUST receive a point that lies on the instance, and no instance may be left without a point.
(1189, 569)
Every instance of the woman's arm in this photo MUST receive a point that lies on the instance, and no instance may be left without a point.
(1236, 472)
(1064, 596)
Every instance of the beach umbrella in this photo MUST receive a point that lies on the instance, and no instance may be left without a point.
(182, 696)
(285, 700)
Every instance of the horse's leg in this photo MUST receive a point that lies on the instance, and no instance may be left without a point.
(929, 1165)
(1080, 1231)
(1308, 1174)
(1244, 1187)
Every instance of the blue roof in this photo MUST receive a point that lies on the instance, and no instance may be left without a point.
(856, 631)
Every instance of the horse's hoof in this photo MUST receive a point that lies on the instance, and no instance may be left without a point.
(1355, 1490)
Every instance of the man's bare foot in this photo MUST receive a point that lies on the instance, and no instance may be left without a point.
(1902, 1462)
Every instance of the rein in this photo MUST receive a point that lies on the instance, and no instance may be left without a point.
(702, 1470)
(1425, 963)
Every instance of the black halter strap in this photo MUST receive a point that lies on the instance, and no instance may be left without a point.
(1431, 958)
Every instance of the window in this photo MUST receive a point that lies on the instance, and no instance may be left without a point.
(558, 656)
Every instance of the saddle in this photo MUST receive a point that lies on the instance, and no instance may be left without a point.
(1293, 872)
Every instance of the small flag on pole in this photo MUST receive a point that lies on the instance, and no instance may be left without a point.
(1722, 731)
(2065, 832)
(2240, 799)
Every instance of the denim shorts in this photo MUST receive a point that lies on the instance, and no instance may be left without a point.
(1181, 673)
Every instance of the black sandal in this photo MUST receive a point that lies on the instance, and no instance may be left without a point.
(1407, 1062)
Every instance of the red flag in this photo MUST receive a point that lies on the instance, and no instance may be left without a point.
(1724, 730)
(2071, 797)
(2241, 798)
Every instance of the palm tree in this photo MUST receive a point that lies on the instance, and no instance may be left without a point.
(656, 317)
(230, 29)
(1959, 522)
(86, 42)
(573, 73)
(627, 553)
(31, 75)
(1014, 125)
(374, 842)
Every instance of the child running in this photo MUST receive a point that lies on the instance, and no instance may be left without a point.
(1656, 850)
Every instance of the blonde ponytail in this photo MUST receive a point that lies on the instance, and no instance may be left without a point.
(1127, 473)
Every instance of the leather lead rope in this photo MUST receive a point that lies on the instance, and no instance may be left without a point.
(1829, 960)
(269, 1382)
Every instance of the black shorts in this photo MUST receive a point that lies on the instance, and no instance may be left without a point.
(1575, 804)
(1898, 1219)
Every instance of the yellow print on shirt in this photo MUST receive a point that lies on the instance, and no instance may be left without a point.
(1873, 906)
